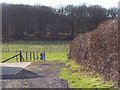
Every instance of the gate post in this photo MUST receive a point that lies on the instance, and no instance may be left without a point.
(30, 55)
(44, 56)
(33, 56)
(37, 55)
(26, 55)
(20, 57)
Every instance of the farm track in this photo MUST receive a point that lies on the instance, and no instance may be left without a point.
(37, 75)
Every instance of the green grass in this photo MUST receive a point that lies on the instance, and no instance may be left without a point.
(36, 46)
(78, 78)
(54, 50)
(62, 57)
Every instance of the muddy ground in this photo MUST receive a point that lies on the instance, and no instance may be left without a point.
(37, 75)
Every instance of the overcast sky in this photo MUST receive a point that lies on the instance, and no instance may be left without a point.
(57, 3)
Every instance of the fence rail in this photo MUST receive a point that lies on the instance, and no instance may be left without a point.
(21, 57)
(41, 57)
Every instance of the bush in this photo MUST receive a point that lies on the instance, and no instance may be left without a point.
(98, 50)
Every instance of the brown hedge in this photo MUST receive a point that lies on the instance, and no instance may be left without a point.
(98, 50)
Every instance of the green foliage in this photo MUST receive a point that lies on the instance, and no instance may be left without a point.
(80, 78)
(52, 23)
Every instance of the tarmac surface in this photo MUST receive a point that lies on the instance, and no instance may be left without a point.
(37, 75)
(12, 68)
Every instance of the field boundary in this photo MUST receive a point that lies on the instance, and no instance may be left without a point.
(41, 57)
(21, 57)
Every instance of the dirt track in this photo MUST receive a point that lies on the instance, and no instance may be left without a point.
(37, 75)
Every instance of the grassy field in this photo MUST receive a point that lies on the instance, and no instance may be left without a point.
(36, 46)
(48, 57)
(54, 50)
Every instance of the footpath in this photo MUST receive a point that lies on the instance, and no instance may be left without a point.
(36, 75)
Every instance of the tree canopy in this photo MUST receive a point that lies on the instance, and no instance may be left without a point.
(47, 23)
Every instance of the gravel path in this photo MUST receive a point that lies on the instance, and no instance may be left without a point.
(37, 75)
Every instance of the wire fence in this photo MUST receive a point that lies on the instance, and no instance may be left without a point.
(31, 50)
(36, 46)
(46, 50)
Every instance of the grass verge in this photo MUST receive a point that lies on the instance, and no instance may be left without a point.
(79, 78)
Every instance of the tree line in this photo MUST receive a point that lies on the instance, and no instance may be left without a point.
(47, 23)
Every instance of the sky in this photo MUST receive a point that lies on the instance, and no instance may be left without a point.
(58, 3)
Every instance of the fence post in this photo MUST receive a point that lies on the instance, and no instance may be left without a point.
(8, 49)
(20, 57)
(44, 56)
(26, 55)
(33, 56)
(37, 55)
(30, 55)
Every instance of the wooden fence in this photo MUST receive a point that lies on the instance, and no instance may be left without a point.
(32, 57)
